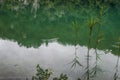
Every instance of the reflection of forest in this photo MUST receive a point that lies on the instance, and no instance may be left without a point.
(54, 3)
(54, 20)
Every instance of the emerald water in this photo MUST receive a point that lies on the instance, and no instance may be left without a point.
(54, 39)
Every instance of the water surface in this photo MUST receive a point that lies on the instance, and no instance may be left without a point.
(20, 62)
(54, 39)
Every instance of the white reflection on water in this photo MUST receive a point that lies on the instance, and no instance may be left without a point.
(16, 61)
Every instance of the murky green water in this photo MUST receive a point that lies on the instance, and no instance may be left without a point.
(53, 39)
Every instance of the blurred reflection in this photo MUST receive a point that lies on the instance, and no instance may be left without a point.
(76, 40)
(117, 47)
(116, 76)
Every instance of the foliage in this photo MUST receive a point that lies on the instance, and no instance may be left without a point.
(8, 4)
(45, 75)
(42, 74)
(62, 77)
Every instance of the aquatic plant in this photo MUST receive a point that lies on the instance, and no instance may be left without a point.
(99, 38)
(87, 69)
(45, 74)
(42, 74)
(93, 22)
(75, 28)
(62, 77)
(76, 61)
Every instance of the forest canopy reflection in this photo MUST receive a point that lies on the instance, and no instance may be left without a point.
(32, 22)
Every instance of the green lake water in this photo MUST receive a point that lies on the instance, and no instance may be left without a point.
(54, 38)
